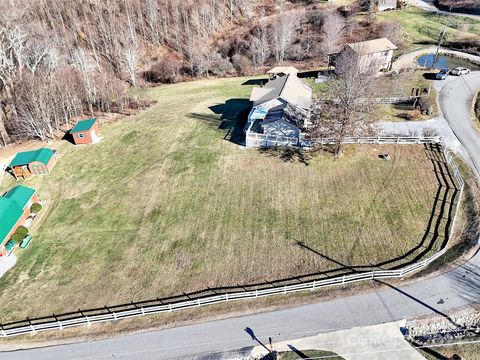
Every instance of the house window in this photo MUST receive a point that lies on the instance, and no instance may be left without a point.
(81, 135)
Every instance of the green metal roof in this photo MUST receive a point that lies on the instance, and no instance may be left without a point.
(83, 125)
(10, 213)
(20, 194)
(42, 155)
(11, 208)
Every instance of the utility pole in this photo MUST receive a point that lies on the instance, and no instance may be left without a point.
(442, 36)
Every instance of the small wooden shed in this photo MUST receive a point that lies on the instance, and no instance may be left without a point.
(86, 132)
(35, 162)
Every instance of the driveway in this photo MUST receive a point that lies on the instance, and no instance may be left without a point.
(407, 61)
(376, 342)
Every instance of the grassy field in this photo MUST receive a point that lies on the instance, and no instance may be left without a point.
(309, 354)
(424, 28)
(169, 203)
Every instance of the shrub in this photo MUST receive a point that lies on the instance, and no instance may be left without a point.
(35, 208)
(425, 104)
(22, 230)
(20, 233)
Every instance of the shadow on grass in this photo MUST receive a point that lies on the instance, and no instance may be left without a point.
(230, 116)
(289, 154)
(435, 238)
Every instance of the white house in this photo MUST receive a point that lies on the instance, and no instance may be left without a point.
(280, 108)
(378, 52)
(384, 5)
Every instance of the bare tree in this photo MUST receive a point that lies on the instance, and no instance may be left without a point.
(333, 30)
(131, 58)
(282, 33)
(260, 47)
(346, 108)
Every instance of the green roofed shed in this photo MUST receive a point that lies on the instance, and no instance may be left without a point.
(83, 125)
(42, 155)
(20, 194)
(10, 213)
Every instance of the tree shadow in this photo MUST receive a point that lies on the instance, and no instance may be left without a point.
(230, 116)
(289, 154)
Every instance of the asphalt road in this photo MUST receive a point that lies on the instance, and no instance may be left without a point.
(456, 101)
(454, 289)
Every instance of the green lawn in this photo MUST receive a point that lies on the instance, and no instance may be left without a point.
(309, 354)
(165, 205)
(423, 28)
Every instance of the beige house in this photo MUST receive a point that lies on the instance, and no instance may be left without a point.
(378, 53)
(280, 71)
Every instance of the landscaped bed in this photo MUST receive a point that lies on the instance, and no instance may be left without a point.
(168, 203)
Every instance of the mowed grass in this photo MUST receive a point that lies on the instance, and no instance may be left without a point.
(165, 205)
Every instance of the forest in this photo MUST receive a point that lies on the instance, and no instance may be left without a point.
(63, 59)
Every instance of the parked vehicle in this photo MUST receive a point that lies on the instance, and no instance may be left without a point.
(442, 75)
(460, 71)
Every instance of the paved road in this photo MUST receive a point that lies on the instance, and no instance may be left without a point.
(455, 101)
(454, 289)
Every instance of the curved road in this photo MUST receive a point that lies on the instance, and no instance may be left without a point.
(451, 290)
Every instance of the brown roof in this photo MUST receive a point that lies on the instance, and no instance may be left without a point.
(288, 87)
(372, 46)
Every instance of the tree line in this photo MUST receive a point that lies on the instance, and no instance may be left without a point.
(60, 59)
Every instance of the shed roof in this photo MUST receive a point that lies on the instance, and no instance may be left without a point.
(10, 213)
(83, 125)
(20, 194)
(42, 155)
(372, 46)
(11, 208)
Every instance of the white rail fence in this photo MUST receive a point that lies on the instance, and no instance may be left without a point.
(87, 317)
(253, 139)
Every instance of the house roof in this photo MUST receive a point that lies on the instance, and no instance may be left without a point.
(42, 155)
(283, 70)
(372, 46)
(289, 87)
(286, 112)
(20, 194)
(11, 208)
(83, 125)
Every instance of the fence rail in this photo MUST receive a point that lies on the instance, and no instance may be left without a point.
(262, 140)
(87, 317)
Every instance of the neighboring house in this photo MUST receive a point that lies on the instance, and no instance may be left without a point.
(280, 71)
(378, 52)
(15, 207)
(86, 132)
(280, 108)
(35, 162)
(384, 5)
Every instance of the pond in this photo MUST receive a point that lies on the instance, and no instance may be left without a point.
(445, 61)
